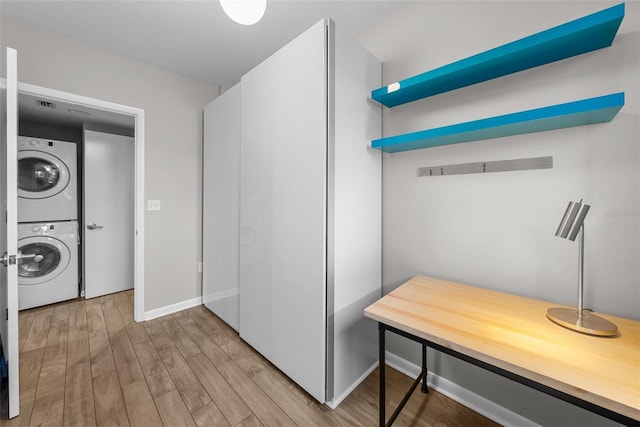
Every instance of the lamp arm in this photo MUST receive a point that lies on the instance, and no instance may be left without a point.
(580, 273)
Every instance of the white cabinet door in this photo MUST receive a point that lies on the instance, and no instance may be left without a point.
(283, 209)
(221, 206)
(9, 227)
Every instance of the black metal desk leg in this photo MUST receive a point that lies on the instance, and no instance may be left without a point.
(424, 388)
(381, 366)
(422, 378)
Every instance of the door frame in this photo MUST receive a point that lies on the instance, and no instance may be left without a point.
(138, 114)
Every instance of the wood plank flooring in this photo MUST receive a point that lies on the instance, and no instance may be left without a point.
(86, 363)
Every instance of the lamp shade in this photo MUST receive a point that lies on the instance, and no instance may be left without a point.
(572, 220)
(245, 12)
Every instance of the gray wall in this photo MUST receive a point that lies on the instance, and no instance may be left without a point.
(497, 230)
(173, 143)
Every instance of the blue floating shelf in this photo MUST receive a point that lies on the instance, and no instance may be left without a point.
(583, 35)
(577, 113)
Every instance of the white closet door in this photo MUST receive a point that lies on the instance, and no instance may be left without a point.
(109, 226)
(221, 206)
(283, 209)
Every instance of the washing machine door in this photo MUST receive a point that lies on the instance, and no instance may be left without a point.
(51, 258)
(41, 175)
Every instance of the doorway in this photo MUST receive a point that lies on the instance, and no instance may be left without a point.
(11, 91)
(60, 115)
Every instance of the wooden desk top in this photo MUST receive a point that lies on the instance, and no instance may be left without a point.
(513, 333)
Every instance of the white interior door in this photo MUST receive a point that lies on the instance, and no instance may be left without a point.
(108, 220)
(9, 229)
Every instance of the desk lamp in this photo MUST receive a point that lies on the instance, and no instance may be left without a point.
(580, 320)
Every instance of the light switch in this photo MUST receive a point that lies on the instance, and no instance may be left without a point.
(153, 205)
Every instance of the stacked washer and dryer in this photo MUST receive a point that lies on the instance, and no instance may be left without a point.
(48, 221)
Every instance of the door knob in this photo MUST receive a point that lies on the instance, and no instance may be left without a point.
(94, 226)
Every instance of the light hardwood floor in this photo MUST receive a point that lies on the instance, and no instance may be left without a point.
(86, 362)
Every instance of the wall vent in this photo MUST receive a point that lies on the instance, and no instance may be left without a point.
(45, 104)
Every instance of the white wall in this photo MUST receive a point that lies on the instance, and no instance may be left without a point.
(497, 230)
(173, 143)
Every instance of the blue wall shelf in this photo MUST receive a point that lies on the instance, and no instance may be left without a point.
(583, 35)
(577, 113)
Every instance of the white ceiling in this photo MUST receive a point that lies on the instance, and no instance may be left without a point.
(192, 38)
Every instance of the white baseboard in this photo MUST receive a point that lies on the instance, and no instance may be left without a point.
(217, 296)
(333, 404)
(471, 400)
(173, 308)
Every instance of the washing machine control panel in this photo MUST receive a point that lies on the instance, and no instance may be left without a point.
(62, 229)
(28, 143)
(43, 228)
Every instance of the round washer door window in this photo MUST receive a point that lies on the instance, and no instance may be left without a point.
(51, 258)
(40, 175)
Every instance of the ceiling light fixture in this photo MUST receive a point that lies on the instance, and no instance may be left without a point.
(245, 12)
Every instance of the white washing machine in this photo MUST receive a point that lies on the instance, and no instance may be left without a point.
(50, 274)
(47, 180)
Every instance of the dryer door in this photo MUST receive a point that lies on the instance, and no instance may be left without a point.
(51, 258)
(41, 175)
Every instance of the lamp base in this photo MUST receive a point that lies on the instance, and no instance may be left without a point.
(588, 323)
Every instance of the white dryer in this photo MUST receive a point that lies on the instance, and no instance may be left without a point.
(47, 180)
(50, 272)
